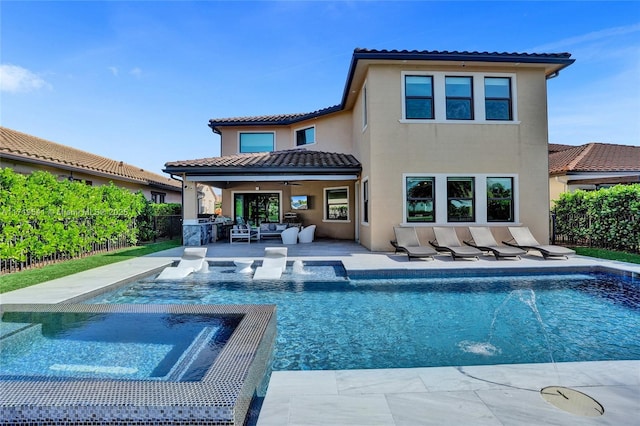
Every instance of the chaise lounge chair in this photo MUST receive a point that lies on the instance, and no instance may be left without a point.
(193, 260)
(273, 264)
(483, 239)
(447, 241)
(523, 239)
(407, 241)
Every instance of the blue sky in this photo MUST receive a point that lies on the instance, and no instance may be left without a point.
(138, 81)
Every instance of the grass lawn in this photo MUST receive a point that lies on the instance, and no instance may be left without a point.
(608, 254)
(29, 277)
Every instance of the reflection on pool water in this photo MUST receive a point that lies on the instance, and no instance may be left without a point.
(127, 346)
(334, 323)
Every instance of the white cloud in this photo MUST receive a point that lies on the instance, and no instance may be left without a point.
(114, 71)
(606, 34)
(16, 79)
(136, 72)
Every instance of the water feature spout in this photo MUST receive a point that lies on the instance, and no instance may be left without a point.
(298, 268)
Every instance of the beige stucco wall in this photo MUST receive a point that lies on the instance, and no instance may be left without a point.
(388, 148)
(332, 135)
(450, 148)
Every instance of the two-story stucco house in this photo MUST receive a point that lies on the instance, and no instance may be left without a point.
(420, 138)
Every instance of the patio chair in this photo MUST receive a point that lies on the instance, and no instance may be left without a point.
(408, 242)
(290, 236)
(192, 260)
(306, 234)
(244, 233)
(447, 241)
(483, 239)
(523, 239)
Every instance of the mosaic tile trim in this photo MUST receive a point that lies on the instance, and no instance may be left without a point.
(222, 397)
(478, 272)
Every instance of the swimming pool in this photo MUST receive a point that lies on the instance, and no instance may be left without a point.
(76, 345)
(336, 324)
(176, 383)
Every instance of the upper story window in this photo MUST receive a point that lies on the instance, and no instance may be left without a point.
(459, 94)
(256, 142)
(497, 98)
(461, 97)
(306, 136)
(418, 96)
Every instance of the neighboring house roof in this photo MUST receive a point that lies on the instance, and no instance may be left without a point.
(594, 157)
(556, 147)
(23, 147)
(294, 161)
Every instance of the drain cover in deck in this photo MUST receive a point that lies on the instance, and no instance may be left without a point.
(572, 401)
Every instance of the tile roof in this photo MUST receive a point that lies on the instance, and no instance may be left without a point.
(279, 119)
(30, 148)
(293, 160)
(455, 55)
(556, 147)
(557, 61)
(595, 157)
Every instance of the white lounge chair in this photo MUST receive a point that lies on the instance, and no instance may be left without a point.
(306, 234)
(273, 264)
(290, 236)
(193, 260)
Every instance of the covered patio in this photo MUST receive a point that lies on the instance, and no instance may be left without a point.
(310, 187)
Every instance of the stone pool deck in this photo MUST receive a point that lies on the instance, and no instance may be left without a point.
(478, 395)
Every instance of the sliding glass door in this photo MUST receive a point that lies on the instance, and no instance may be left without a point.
(257, 207)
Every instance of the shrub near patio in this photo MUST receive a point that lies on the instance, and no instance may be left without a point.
(607, 218)
(43, 219)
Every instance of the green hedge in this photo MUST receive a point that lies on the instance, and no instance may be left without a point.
(41, 216)
(607, 218)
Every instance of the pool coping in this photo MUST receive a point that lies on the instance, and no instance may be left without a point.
(284, 405)
(222, 397)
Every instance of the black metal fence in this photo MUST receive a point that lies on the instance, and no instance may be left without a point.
(164, 227)
(583, 230)
(12, 265)
(169, 226)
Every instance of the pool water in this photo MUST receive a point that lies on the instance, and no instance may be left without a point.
(170, 347)
(337, 323)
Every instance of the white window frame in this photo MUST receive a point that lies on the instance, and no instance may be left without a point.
(440, 100)
(295, 135)
(480, 199)
(240, 132)
(325, 201)
(365, 109)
